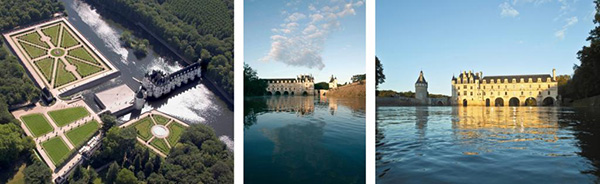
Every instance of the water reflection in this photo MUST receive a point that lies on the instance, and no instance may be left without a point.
(489, 145)
(303, 140)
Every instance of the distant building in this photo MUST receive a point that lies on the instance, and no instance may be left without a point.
(333, 82)
(421, 93)
(157, 83)
(514, 90)
(301, 85)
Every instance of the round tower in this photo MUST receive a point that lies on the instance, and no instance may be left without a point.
(140, 99)
(421, 89)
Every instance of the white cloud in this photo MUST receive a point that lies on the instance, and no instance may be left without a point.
(295, 17)
(299, 42)
(506, 10)
(560, 34)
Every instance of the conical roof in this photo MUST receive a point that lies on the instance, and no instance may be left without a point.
(421, 79)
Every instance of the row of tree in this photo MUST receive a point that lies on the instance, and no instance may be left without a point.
(15, 13)
(197, 29)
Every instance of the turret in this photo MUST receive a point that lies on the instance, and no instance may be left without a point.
(421, 89)
(140, 99)
(554, 74)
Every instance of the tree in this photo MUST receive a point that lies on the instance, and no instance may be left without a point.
(12, 143)
(379, 73)
(253, 86)
(111, 174)
(126, 176)
(37, 173)
(108, 121)
(322, 85)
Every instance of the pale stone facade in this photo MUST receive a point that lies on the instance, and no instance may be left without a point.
(157, 83)
(473, 89)
(333, 82)
(301, 85)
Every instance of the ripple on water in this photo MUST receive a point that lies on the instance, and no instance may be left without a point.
(100, 27)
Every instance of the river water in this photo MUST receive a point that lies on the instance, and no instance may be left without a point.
(487, 145)
(304, 140)
(193, 103)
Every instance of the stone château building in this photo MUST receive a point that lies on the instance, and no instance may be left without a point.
(333, 82)
(514, 90)
(301, 85)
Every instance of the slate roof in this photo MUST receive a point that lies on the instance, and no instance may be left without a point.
(534, 78)
(421, 79)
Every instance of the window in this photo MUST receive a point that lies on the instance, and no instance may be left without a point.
(548, 92)
(521, 93)
(505, 93)
(471, 87)
(471, 93)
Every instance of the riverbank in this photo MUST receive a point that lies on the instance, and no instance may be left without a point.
(586, 102)
(354, 90)
(396, 101)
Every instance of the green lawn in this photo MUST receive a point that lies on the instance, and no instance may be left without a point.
(57, 149)
(34, 38)
(32, 51)
(81, 134)
(62, 75)
(81, 53)
(67, 39)
(38, 125)
(65, 116)
(161, 120)
(84, 69)
(143, 128)
(161, 145)
(52, 32)
(46, 65)
(175, 131)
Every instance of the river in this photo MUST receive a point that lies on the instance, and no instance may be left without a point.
(487, 145)
(193, 103)
(304, 140)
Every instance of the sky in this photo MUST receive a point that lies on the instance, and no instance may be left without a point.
(496, 37)
(283, 39)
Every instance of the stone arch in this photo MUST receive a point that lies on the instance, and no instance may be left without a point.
(439, 103)
(292, 93)
(304, 93)
(487, 102)
(269, 93)
(464, 102)
(548, 101)
(285, 93)
(514, 101)
(277, 93)
(499, 102)
(530, 102)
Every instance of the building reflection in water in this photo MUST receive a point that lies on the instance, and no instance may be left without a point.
(500, 121)
(299, 105)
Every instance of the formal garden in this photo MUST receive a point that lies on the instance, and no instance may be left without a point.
(158, 131)
(59, 56)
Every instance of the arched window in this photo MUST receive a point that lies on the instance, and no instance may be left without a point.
(505, 93)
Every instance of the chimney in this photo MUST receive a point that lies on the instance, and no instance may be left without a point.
(481, 74)
(554, 74)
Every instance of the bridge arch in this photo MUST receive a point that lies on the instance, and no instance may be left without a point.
(285, 93)
(304, 93)
(530, 102)
(292, 93)
(464, 102)
(548, 101)
(277, 93)
(514, 101)
(499, 102)
(269, 93)
(439, 103)
(487, 102)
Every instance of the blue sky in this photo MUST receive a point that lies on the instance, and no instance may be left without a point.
(283, 39)
(443, 38)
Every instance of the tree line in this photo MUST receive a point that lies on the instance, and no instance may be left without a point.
(586, 76)
(17, 88)
(197, 29)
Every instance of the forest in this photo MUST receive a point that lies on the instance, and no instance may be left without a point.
(198, 29)
(17, 88)
(586, 76)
